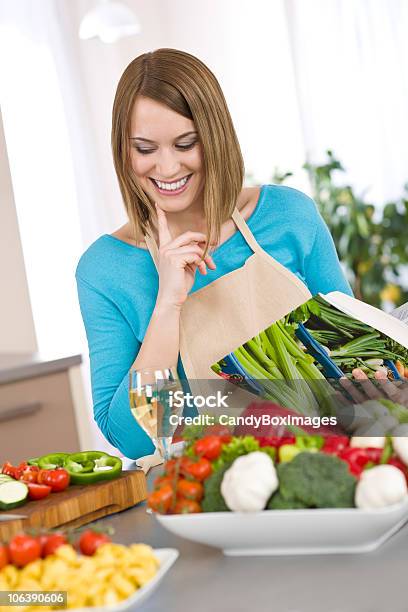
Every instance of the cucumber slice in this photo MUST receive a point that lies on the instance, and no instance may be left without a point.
(12, 494)
(5, 477)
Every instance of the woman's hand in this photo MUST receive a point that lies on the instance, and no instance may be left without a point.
(178, 262)
(395, 391)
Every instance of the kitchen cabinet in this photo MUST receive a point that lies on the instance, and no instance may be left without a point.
(37, 406)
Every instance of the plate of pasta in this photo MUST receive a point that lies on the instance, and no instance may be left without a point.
(165, 558)
(112, 578)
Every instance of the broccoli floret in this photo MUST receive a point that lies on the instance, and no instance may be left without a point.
(213, 501)
(277, 502)
(316, 480)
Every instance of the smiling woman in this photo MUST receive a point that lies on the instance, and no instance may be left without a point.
(167, 166)
(146, 291)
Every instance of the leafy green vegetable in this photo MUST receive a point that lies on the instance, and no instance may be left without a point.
(309, 442)
(237, 447)
(304, 312)
(213, 501)
(315, 480)
(270, 451)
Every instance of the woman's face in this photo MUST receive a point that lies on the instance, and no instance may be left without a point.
(166, 156)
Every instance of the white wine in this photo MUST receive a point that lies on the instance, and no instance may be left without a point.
(151, 407)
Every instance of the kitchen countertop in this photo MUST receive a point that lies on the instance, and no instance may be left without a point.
(18, 366)
(204, 579)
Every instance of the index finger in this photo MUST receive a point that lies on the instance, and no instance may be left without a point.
(163, 228)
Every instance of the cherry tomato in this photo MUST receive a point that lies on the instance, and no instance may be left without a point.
(9, 469)
(190, 489)
(171, 466)
(29, 475)
(160, 481)
(51, 542)
(186, 506)
(91, 540)
(4, 555)
(57, 479)
(37, 491)
(197, 470)
(23, 549)
(208, 447)
(161, 500)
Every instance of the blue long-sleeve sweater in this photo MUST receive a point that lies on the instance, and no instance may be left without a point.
(118, 283)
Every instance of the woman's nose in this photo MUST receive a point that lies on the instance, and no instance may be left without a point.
(168, 164)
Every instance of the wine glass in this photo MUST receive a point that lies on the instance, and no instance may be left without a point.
(152, 404)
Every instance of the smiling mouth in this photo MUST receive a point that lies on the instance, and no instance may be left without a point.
(173, 186)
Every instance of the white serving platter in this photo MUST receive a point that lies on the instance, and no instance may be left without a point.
(166, 557)
(290, 532)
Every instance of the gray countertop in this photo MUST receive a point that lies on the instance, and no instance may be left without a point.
(203, 579)
(18, 366)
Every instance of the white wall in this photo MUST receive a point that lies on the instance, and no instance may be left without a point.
(17, 333)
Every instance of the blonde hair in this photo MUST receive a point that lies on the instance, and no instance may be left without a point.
(185, 85)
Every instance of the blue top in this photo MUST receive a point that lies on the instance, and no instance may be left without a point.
(118, 283)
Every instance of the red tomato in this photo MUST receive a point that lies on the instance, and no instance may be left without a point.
(186, 506)
(190, 489)
(208, 447)
(51, 542)
(161, 499)
(20, 469)
(57, 479)
(23, 549)
(160, 481)
(171, 466)
(91, 540)
(4, 556)
(37, 491)
(9, 469)
(29, 476)
(197, 470)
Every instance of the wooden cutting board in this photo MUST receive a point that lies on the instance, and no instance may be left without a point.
(78, 505)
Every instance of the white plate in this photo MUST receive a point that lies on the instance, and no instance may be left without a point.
(290, 532)
(166, 557)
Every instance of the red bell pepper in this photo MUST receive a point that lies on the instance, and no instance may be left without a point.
(277, 441)
(333, 445)
(358, 458)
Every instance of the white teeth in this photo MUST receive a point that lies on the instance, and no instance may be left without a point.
(171, 186)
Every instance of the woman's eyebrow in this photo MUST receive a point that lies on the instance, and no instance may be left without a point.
(152, 141)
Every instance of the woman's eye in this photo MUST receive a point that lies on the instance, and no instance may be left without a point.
(185, 147)
(144, 151)
(180, 147)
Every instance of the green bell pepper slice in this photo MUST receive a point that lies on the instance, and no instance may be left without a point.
(309, 443)
(92, 466)
(33, 461)
(51, 461)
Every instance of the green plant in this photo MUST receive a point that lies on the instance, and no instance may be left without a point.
(371, 243)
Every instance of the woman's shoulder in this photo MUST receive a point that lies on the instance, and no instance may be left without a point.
(106, 258)
(285, 205)
(284, 196)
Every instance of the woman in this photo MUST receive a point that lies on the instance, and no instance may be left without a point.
(147, 291)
